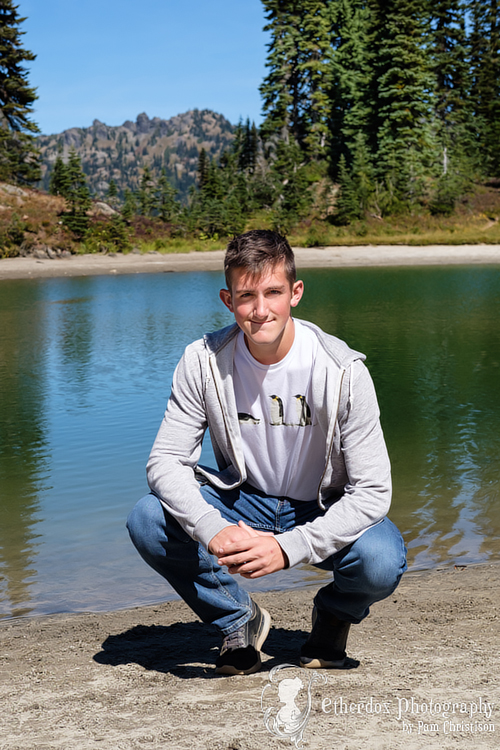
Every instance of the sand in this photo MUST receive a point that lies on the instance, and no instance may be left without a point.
(328, 257)
(144, 678)
(429, 656)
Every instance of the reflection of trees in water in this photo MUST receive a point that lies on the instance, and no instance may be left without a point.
(23, 447)
(71, 334)
(433, 346)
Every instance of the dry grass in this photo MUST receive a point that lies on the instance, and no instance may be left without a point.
(30, 221)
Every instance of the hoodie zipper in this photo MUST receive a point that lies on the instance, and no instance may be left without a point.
(330, 447)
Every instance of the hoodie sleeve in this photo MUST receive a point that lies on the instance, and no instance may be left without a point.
(177, 448)
(366, 493)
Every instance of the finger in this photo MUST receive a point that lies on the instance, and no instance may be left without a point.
(233, 561)
(249, 529)
(252, 531)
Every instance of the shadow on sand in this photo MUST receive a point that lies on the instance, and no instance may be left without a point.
(190, 649)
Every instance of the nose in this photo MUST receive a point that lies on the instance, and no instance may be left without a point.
(261, 307)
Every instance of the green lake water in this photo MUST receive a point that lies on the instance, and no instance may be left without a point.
(85, 371)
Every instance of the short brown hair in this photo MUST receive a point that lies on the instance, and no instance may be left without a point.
(259, 250)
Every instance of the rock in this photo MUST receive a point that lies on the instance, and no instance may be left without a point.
(40, 252)
(12, 189)
(102, 209)
(143, 123)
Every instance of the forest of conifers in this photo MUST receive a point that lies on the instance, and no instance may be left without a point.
(398, 101)
(371, 109)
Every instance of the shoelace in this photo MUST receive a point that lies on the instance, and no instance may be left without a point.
(233, 641)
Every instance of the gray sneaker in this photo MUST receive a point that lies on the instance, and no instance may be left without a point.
(240, 652)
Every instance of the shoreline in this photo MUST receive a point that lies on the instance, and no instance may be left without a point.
(144, 677)
(327, 257)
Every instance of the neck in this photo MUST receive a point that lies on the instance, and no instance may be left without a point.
(271, 354)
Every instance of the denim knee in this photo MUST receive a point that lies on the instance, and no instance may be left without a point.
(374, 563)
(145, 521)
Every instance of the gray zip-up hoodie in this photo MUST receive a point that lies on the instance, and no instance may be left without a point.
(355, 488)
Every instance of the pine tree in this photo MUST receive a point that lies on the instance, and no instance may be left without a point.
(112, 191)
(402, 99)
(19, 159)
(129, 204)
(283, 88)
(291, 177)
(203, 161)
(485, 90)
(347, 207)
(449, 64)
(247, 147)
(296, 92)
(165, 199)
(58, 176)
(457, 157)
(146, 194)
(76, 193)
(315, 67)
(352, 73)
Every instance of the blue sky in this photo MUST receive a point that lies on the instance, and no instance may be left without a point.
(112, 59)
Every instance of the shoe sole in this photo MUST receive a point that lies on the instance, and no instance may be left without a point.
(322, 663)
(227, 669)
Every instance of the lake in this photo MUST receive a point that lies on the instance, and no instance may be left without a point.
(85, 371)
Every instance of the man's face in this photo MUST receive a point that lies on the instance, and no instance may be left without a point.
(261, 307)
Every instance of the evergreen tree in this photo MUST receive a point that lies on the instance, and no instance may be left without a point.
(165, 199)
(203, 162)
(449, 63)
(58, 176)
(402, 106)
(457, 148)
(485, 93)
(19, 159)
(146, 195)
(363, 173)
(129, 204)
(216, 209)
(296, 91)
(246, 146)
(292, 183)
(76, 193)
(283, 88)
(347, 207)
(112, 193)
(315, 68)
(352, 74)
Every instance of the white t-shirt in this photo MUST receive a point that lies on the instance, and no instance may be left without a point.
(283, 444)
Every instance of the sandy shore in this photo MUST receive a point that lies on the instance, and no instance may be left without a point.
(328, 257)
(143, 678)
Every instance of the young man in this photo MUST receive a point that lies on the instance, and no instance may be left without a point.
(303, 473)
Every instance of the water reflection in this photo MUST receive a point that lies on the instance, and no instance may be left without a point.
(23, 444)
(433, 346)
(85, 371)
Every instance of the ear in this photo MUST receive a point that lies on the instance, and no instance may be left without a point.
(225, 296)
(297, 292)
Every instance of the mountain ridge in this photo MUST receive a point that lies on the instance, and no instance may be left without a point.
(120, 152)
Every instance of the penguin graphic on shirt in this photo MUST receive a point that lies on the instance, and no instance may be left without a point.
(303, 410)
(276, 410)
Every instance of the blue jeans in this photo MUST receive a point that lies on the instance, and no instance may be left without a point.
(364, 572)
